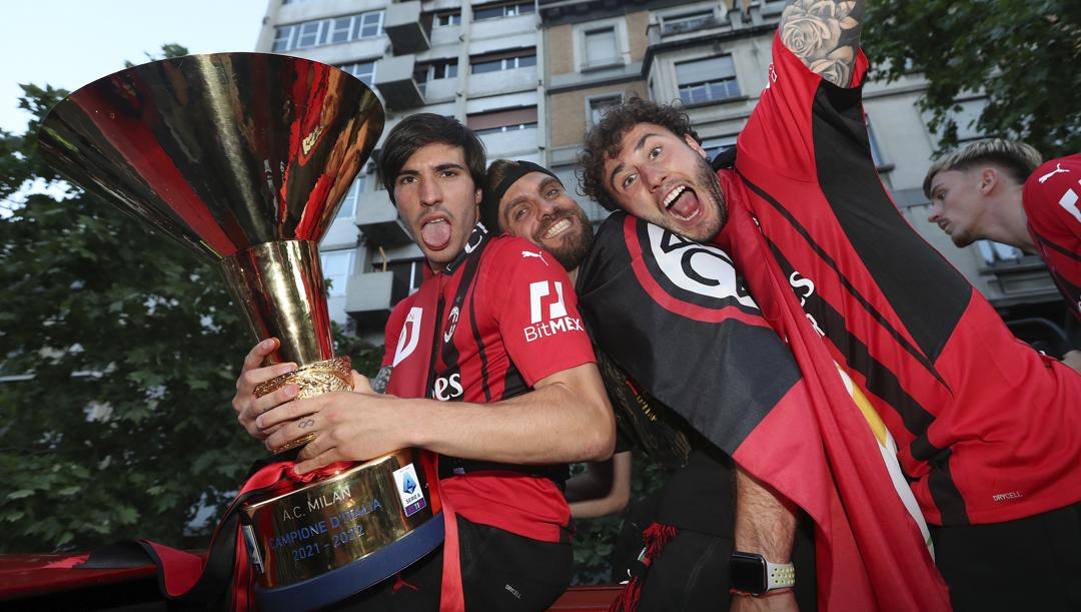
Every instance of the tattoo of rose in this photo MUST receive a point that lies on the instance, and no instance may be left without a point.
(835, 67)
(812, 29)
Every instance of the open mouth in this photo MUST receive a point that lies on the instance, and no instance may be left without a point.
(683, 203)
(557, 228)
(435, 233)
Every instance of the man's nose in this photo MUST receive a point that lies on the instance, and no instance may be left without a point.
(547, 209)
(653, 176)
(429, 192)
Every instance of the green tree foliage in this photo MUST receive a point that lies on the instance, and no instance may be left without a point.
(127, 348)
(1023, 54)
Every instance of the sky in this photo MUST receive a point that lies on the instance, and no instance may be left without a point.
(69, 43)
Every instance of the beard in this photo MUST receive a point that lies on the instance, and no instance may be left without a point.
(705, 176)
(574, 244)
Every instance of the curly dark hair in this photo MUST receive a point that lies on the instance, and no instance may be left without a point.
(603, 139)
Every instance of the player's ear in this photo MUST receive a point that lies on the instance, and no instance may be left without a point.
(988, 179)
(478, 195)
(692, 143)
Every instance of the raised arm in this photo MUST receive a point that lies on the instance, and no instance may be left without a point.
(825, 35)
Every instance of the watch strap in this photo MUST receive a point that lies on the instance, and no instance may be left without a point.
(780, 576)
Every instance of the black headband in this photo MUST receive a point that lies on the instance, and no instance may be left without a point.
(489, 206)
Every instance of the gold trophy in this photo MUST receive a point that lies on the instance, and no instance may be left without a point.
(244, 158)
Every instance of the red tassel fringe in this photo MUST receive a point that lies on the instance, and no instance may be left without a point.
(654, 539)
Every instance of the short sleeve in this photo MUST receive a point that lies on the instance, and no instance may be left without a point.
(533, 302)
(780, 132)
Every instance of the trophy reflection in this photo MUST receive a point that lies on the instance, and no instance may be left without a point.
(244, 158)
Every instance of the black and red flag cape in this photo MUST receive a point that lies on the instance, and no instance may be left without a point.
(679, 319)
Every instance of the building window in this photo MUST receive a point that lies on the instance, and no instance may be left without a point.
(600, 105)
(341, 30)
(365, 71)
(369, 24)
(507, 120)
(328, 31)
(716, 146)
(506, 60)
(447, 19)
(686, 22)
(408, 275)
(310, 34)
(501, 9)
(433, 71)
(349, 203)
(337, 266)
(707, 80)
(444, 69)
(601, 48)
(283, 38)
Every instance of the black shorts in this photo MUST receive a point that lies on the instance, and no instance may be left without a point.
(500, 571)
(1032, 563)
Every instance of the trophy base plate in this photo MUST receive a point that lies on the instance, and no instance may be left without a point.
(297, 533)
(351, 579)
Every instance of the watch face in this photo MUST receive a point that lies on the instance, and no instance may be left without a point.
(748, 572)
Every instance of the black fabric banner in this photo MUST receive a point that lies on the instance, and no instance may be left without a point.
(676, 317)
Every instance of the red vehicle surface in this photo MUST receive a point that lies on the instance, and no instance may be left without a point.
(27, 583)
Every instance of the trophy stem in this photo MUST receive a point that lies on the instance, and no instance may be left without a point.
(279, 286)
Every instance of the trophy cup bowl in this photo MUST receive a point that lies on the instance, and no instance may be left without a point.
(244, 158)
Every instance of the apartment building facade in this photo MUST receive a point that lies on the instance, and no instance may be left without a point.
(532, 76)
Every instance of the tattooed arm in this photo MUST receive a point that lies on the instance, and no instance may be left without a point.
(379, 383)
(825, 35)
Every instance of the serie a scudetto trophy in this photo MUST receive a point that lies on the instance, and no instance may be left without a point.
(244, 158)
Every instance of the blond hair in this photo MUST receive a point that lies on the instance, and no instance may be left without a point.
(1017, 158)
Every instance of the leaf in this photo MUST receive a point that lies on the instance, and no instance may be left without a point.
(21, 493)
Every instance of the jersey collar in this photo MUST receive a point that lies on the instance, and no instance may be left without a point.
(477, 239)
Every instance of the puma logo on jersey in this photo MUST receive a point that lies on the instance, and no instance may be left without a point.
(1058, 168)
(538, 255)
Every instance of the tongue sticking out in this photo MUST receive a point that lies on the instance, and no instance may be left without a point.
(435, 234)
(686, 205)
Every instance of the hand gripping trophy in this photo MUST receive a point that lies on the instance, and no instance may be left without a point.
(244, 158)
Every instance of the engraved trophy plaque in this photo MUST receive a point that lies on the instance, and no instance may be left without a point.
(244, 158)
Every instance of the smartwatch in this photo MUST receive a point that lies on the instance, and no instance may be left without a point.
(751, 573)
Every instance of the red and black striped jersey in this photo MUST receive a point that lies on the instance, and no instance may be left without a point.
(507, 317)
(988, 429)
(1052, 201)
